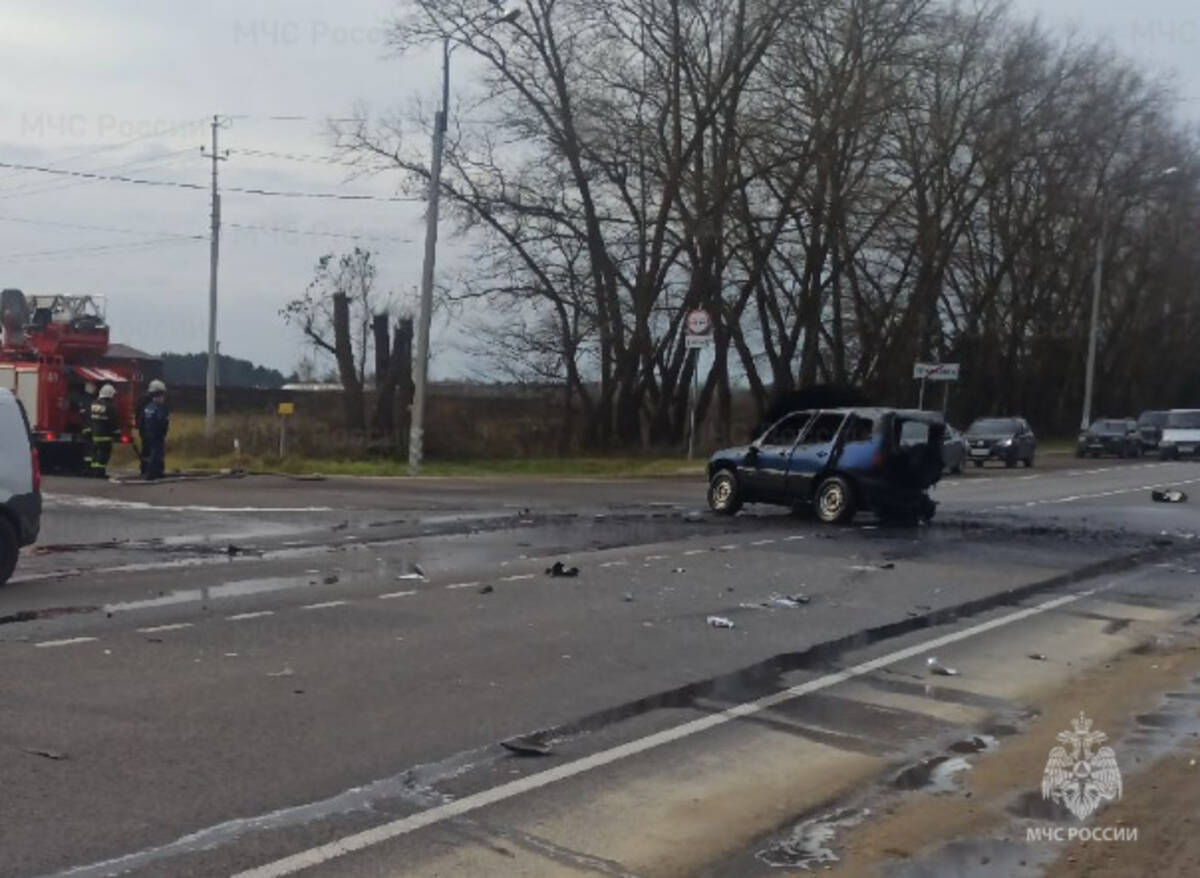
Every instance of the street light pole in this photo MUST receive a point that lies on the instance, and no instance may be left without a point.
(416, 435)
(1097, 285)
(1094, 331)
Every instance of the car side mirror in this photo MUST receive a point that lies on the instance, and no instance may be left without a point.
(752, 455)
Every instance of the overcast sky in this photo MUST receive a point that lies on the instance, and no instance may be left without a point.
(126, 88)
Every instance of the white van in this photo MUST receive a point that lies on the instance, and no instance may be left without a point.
(1180, 435)
(20, 485)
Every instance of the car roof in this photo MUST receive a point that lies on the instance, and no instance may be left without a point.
(1182, 411)
(876, 411)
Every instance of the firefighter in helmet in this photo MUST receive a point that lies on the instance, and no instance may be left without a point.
(103, 425)
(81, 406)
(154, 421)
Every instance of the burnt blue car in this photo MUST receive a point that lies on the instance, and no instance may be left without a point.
(839, 462)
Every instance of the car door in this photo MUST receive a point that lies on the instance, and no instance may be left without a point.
(765, 471)
(812, 454)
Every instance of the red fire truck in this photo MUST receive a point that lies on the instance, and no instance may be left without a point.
(52, 348)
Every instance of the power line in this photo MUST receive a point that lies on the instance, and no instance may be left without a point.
(111, 146)
(286, 231)
(328, 196)
(68, 252)
(82, 226)
(294, 157)
(41, 186)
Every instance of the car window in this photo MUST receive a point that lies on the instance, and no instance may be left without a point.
(1183, 420)
(914, 433)
(787, 431)
(1152, 419)
(859, 429)
(823, 428)
(987, 426)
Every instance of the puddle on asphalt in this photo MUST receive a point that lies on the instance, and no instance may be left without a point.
(810, 843)
(977, 858)
(241, 588)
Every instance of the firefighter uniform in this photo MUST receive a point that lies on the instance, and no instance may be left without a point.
(104, 427)
(155, 423)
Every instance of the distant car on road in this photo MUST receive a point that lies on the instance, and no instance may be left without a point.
(839, 462)
(1150, 426)
(1119, 436)
(1008, 440)
(1180, 435)
(20, 485)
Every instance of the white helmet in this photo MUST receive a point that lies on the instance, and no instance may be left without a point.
(108, 391)
(157, 386)
(89, 389)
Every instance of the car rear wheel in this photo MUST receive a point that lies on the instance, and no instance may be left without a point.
(1029, 462)
(724, 493)
(834, 501)
(9, 549)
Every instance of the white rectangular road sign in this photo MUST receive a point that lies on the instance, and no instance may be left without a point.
(697, 342)
(936, 371)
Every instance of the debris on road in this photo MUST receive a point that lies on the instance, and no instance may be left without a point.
(342, 526)
(559, 570)
(286, 672)
(1038, 656)
(720, 622)
(413, 575)
(527, 745)
(45, 754)
(331, 579)
(1172, 495)
(487, 589)
(936, 667)
(627, 597)
(678, 570)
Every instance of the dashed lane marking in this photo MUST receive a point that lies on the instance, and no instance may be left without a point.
(325, 605)
(695, 552)
(70, 641)
(396, 594)
(154, 629)
(255, 615)
(657, 557)
(517, 577)
(456, 585)
(762, 542)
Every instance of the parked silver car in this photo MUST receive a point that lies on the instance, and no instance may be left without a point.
(20, 485)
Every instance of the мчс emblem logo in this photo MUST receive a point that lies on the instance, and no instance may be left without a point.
(1078, 775)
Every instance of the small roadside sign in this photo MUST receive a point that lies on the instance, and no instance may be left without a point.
(697, 329)
(936, 371)
(287, 408)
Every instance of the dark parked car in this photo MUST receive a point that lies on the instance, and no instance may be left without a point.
(1009, 440)
(1150, 425)
(838, 461)
(1119, 436)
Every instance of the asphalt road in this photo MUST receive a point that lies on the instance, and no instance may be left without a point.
(202, 677)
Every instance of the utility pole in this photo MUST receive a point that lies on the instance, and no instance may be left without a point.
(416, 436)
(1094, 329)
(210, 397)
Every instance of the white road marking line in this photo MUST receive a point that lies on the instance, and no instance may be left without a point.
(457, 808)
(728, 547)
(762, 542)
(156, 628)
(70, 641)
(396, 594)
(695, 551)
(463, 585)
(1076, 497)
(256, 615)
(517, 577)
(324, 606)
(657, 557)
(793, 537)
(614, 564)
(89, 502)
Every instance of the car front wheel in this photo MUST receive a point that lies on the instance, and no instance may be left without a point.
(834, 501)
(9, 549)
(724, 493)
